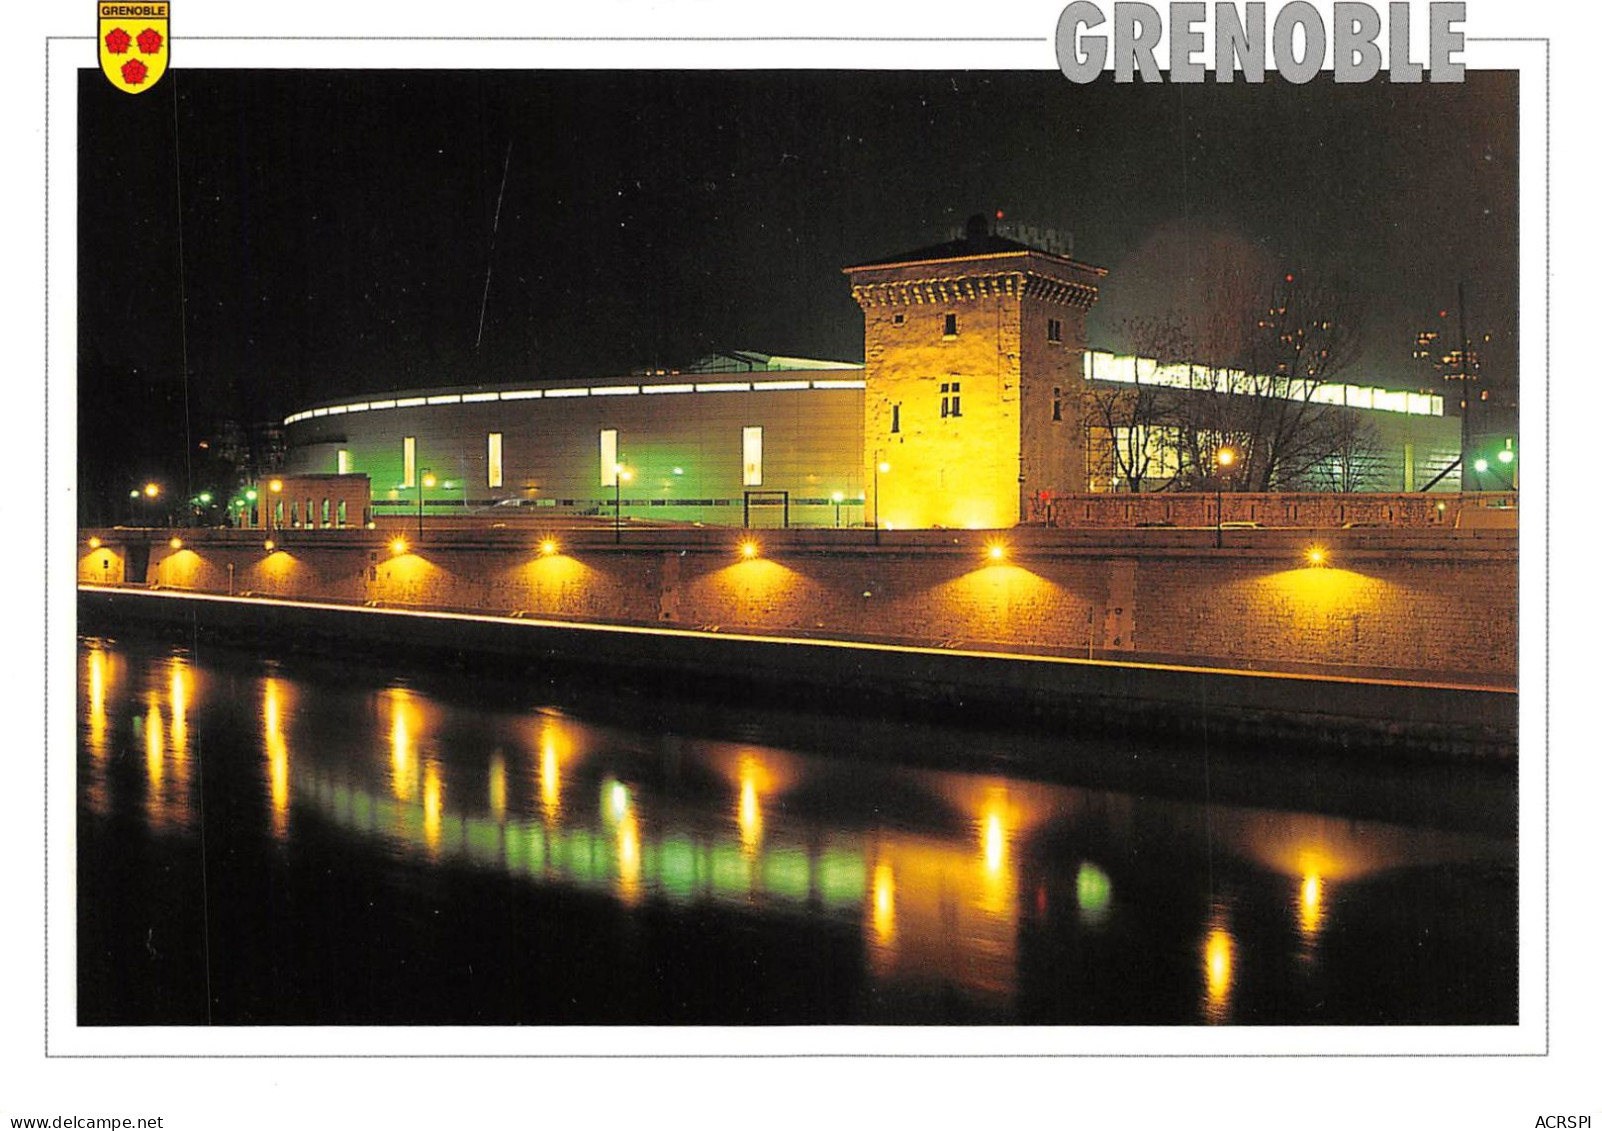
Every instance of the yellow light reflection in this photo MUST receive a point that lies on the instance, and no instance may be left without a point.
(750, 815)
(1218, 960)
(1312, 905)
(497, 785)
(628, 858)
(154, 744)
(97, 702)
(402, 745)
(550, 780)
(884, 902)
(995, 844)
(433, 801)
(178, 697)
(277, 756)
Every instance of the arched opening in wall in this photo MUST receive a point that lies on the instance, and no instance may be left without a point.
(325, 511)
(311, 516)
(342, 514)
(294, 514)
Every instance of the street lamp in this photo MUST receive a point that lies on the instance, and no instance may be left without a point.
(620, 475)
(1223, 459)
(879, 467)
(838, 497)
(426, 479)
(276, 487)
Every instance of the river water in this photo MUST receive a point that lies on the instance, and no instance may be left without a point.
(297, 840)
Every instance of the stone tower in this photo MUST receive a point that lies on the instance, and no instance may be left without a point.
(974, 364)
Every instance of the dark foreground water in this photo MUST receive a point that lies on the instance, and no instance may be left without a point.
(302, 841)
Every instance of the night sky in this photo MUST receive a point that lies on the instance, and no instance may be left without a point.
(336, 226)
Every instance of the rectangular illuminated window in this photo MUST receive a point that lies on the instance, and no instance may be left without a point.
(409, 461)
(609, 457)
(494, 459)
(752, 445)
(343, 461)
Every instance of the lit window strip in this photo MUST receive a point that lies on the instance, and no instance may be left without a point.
(1123, 369)
(599, 391)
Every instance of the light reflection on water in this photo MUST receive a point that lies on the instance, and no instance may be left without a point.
(947, 879)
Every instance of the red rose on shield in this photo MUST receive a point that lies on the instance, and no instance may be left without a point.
(133, 72)
(117, 41)
(149, 41)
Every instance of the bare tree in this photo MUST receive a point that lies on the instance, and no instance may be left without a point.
(1130, 422)
(1264, 356)
(1355, 458)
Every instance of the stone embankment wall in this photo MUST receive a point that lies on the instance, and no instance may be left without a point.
(1417, 509)
(1441, 603)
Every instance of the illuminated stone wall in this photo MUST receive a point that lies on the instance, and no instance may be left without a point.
(1442, 602)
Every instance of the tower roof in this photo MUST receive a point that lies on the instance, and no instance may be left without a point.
(979, 243)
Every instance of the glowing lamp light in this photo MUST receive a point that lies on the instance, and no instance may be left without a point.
(547, 548)
(884, 467)
(152, 490)
(1226, 456)
(1481, 465)
(276, 486)
(1317, 556)
(251, 494)
(398, 546)
(269, 545)
(94, 543)
(996, 552)
(838, 497)
(429, 480)
(748, 550)
(176, 543)
(1505, 455)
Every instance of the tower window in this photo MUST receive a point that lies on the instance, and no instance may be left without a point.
(950, 399)
(951, 325)
(1056, 403)
(1054, 329)
(895, 418)
(898, 319)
